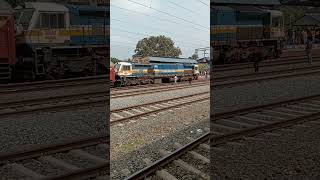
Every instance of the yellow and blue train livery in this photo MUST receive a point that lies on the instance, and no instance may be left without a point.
(241, 32)
(89, 24)
(57, 40)
(128, 73)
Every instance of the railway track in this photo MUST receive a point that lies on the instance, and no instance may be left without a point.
(53, 84)
(150, 90)
(250, 78)
(101, 97)
(116, 89)
(128, 113)
(76, 159)
(53, 103)
(228, 127)
(266, 63)
(297, 71)
(224, 81)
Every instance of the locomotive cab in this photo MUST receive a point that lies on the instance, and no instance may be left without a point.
(277, 24)
(40, 23)
(277, 30)
(124, 69)
(196, 69)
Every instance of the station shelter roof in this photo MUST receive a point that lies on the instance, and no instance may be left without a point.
(308, 20)
(171, 60)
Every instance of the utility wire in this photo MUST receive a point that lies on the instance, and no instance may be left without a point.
(178, 5)
(135, 38)
(142, 34)
(163, 12)
(151, 27)
(204, 3)
(155, 17)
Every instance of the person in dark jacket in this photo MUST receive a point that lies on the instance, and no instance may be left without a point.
(256, 60)
(190, 79)
(309, 46)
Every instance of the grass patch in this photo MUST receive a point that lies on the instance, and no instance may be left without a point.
(132, 146)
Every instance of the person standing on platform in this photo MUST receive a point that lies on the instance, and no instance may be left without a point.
(175, 79)
(256, 60)
(309, 46)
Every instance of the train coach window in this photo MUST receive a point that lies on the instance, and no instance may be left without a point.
(125, 68)
(52, 20)
(61, 21)
(276, 22)
(44, 20)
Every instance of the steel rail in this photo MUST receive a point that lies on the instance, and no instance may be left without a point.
(216, 140)
(82, 173)
(155, 111)
(264, 78)
(241, 66)
(316, 67)
(220, 139)
(42, 85)
(144, 173)
(149, 91)
(53, 103)
(157, 102)
(40, 150)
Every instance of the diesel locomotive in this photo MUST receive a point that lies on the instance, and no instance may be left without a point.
(54, 40)
(156, 70)
(242, 33)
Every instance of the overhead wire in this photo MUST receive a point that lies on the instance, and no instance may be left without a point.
(155, 17)
(202, 28)
(151, 27)
(178, 5)
(163, 12)
(204, 3)
(143, 34)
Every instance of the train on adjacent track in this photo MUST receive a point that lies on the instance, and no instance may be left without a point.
(157, 70)
(53, 41)
(243, 33)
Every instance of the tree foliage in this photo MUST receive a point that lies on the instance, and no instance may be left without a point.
(194, 56)
(114, 60)
(159, 46)
(294, 12)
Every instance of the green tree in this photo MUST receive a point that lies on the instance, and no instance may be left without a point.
(114, 60)
(291, 14)
(159, 46)
(194, 56)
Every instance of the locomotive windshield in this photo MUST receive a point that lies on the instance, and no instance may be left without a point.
(277, 21)
(117, 66)
(25, 18)
(125, 68)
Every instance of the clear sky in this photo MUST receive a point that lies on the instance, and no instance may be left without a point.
(186, 22)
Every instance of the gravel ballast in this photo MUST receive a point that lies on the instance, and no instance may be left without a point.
(134, 141)
(292, 155)
(154, 97)
(23, 131)
(264, 92)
